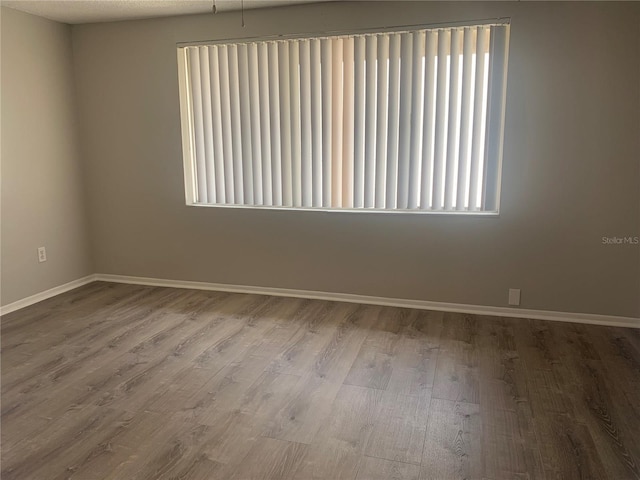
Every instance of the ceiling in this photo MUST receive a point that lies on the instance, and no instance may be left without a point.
(92, 11)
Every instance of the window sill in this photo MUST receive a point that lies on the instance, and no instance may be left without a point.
(352, 210)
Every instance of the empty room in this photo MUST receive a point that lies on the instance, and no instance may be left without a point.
(298, 239)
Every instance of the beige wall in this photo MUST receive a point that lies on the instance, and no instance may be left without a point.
(571, 168)
(42, 189)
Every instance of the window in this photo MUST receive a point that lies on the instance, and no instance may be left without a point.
(391, 121)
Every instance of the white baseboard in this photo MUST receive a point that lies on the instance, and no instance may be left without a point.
(587, 318)
(52, 292)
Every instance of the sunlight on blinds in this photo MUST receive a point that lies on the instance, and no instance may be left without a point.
(402, 121)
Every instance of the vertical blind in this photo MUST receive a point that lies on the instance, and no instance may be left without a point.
(397, 121)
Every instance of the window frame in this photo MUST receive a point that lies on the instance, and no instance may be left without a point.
(188, 137)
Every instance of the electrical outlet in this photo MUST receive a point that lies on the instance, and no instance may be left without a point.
(42, 254)
(514, 296)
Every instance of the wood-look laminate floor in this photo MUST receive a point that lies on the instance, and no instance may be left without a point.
(128, 382)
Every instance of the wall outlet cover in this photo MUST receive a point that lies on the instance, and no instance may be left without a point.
(514, 296)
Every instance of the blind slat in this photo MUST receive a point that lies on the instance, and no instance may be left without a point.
(393, 97)
(327, 127)
(382, 120)
(495, 113)
(359, 122)
(453, 129)
(245, 125)
(207, 125)
(216, 112)
(285, 123)
(406, 101)
(265, 124)
(276, 139)
(305, 124)
(429, 123)
(371, 121)
(196, 88)
(317, 140)
(236, 140)
(477, 142)
(442, 121)
(227, 136)
(256, 134)
(296, 147)
(466, 111)
(348, 124)
(417, 112)
(337, 107)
